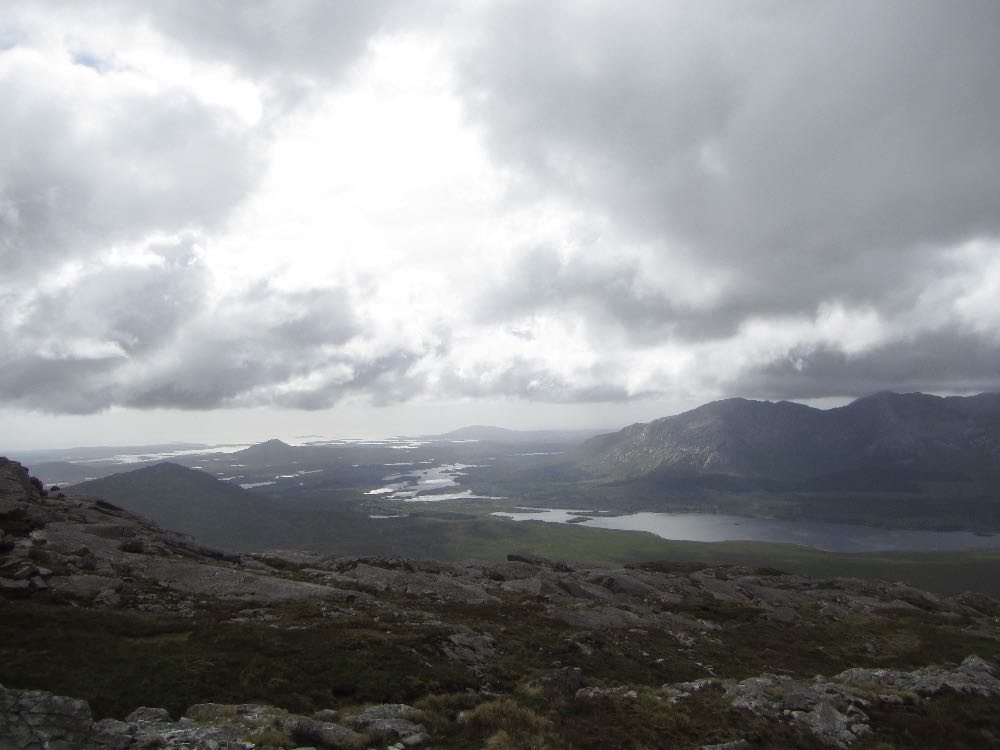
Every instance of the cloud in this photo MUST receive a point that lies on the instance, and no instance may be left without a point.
(617, 292)
(261, 346)
(96, 160)
(798, 152)
(266, 38)
(531, 380)
(71, 342)
(233, 204)
(949, 360)
(383, 380)
(149, 336)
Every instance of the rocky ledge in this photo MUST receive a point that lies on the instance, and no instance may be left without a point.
(37, 720)
(85, 549)
(832, 710)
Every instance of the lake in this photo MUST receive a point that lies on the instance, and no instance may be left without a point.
(707, 527)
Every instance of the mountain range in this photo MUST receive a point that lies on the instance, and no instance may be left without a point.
(900, 460)
(912, 436)
(488, 433)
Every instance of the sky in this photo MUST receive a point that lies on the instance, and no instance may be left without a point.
(237, 219)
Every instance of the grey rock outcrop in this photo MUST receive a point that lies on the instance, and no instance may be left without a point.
(469, 647)
(394, 720)
(36, 720)
(834, 709)
(324, 733)
(84, 549)
(974, 675)
(563, 680)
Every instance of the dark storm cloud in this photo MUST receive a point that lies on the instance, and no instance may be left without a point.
(808, 150)
(64, 386)
(936, 361)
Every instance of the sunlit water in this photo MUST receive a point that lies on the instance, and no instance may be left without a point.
(705, 527)
(424, 485)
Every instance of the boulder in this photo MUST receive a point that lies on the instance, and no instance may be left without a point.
(149, 715)
(564, 680)
(327, 733)
(36, 720)
(832, 726)
(84, 586)
(544, 562)
(596, 618)
(394, 720)
(469, 647)
(533, 586)
(620, 582)
(237, 584)
(511, 570)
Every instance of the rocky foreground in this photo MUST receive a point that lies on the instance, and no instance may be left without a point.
(291, 649)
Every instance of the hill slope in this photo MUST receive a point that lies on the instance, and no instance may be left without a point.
(196, 503)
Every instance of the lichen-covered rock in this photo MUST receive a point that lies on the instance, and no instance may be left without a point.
(394, 720)
(36, 720)
(542, 587)
(563, 680)
(111, 734)
(596, 617)
(740, 744)
(834, 709)
(229, 583)
(469, 647)
(832, 726)
(84, 586)
(325, 733)
(531, 558)
(149, 715)
(974, 675)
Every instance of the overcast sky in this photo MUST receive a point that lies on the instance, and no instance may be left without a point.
(237, 219)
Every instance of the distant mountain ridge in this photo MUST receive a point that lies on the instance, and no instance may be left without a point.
(489, 433)
(916, 433)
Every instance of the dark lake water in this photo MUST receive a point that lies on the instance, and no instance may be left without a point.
(706, 527)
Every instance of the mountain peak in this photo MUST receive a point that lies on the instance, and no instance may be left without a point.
(269, 450)
(793, 442)
(165, 467)
(272, 443)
